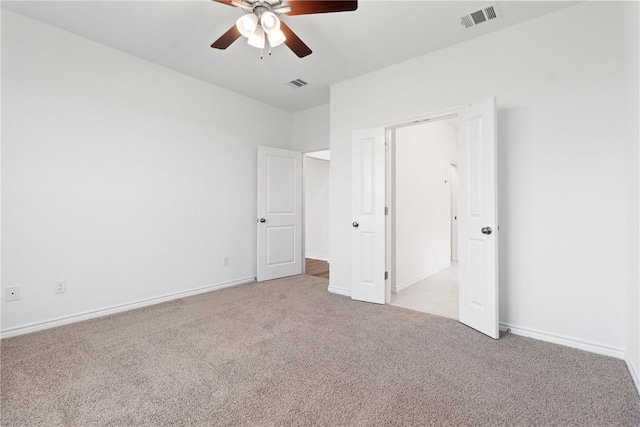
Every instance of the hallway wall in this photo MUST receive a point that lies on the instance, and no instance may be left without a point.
(423, 157)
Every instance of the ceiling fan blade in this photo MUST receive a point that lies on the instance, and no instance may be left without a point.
(293, 42)
(308, 7)
(227, 2)
(241, 5)
(227, 38)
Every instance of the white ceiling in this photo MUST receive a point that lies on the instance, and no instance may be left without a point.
(177, 35)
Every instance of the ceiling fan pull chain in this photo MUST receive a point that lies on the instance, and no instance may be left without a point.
(261, 50)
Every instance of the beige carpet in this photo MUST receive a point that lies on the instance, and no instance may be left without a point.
(287, 352)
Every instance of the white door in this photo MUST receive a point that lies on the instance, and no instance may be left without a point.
(477, 218)
(368, 216)
(279, 213)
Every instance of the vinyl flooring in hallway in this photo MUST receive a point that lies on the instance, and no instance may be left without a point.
(437, 294)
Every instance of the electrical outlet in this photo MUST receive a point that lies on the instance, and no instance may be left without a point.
(225, 261)
(60, 287)
(13, 293)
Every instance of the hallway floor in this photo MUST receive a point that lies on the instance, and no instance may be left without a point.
(437, 294)
(315, 267)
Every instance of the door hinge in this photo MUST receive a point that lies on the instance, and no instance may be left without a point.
(386, 275)
(386, 210)
(386, 145)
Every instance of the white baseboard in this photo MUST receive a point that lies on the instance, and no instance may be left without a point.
(318, 257)
(632, 371)
(65, 320)
(404, 285)
(585, 345)
(339, 290)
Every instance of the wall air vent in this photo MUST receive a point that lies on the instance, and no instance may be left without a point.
(485, 14)
(297, 83)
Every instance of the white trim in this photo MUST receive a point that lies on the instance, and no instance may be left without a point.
(404, 285)
(314, 155)
(339, 290)
(430, 117)
(318, 257)
(65, 320)
(315, 150)
(632, 371)
(585, 345)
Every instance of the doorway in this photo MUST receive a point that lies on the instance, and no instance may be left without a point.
(372, 255)
(292, 213)
(316, 212)
(424, 184)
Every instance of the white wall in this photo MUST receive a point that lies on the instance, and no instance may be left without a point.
(632, 188)
(561, 108)
(316, 208)
(311, 129)
(127, 179)
(423, 157)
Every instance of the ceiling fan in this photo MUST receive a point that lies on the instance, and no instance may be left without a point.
(261, 23)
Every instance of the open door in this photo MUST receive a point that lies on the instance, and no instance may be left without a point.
(368, 216)
(477, 218)
(279, 213)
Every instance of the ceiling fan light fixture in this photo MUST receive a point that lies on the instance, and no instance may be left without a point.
(257, 39)
(276, 38)
(270, 22)
(247, 24)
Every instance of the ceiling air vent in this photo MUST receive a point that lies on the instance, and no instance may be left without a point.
(297, 83)
(479, 16)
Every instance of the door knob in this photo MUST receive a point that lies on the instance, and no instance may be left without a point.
(262, 220)
(486, 230)
(355, 224)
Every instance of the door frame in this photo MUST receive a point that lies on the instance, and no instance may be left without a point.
(390, 199)
(453, 167)
(304, 200)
